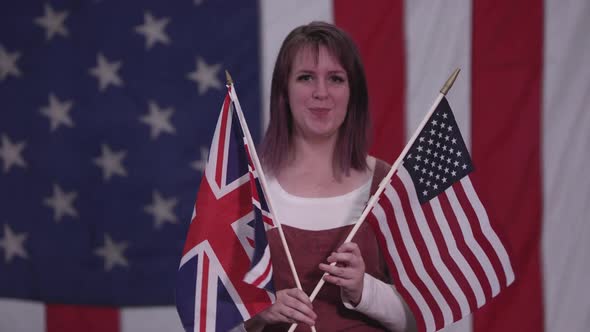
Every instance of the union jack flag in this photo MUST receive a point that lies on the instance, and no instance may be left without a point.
(225, 276)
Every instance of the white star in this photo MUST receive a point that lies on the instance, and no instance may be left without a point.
(53, 22)
(453, 173)
(206, 76)
(416, 167)
(11, 153)
(162, 210)
(201, 164)
(12, 244)
(61, 203)
(444, 115)
(153, 30)
(421, 139)
(106, 72)
(8, 64)
(111, 162)
(159, 120)
(57, 112)
(112, 253)
(435, 186)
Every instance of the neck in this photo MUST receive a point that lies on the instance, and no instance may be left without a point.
(314, 156)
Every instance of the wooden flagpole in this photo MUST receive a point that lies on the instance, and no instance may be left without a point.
(254, 155)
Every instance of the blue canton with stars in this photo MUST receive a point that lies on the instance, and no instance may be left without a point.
(107, 109)
(439, 157)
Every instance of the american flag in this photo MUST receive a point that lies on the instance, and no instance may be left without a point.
(107, 110)
(444, 255)
(521, 101)
(225, 275)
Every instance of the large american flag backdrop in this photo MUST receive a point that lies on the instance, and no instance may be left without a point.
(106, 110)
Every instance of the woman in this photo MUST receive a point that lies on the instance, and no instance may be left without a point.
(320, 178)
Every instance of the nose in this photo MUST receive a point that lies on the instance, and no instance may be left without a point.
(321, 89)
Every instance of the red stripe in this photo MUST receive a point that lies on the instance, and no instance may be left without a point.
(222, 136)
(393, 270)
(378, 31)
(423, 253)
(259, 280)
(406, 257)
(478, 233)
(407, 263)
(449, 261)
(204, 293)
(75, 318)
(463, 247)
(506, 100)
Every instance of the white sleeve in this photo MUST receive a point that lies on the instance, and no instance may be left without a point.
(381, 302)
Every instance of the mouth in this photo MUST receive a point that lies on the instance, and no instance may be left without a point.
(319, 110)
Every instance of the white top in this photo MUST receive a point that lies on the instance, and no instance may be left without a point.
(316, 214)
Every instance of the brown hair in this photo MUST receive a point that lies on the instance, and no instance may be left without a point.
(352, 144)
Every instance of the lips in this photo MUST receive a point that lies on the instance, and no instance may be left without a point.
(319, 110)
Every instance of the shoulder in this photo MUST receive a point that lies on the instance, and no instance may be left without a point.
(380, 169)
(378, 166)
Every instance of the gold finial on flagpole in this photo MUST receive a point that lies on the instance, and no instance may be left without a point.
(449, 83)
(228, 78)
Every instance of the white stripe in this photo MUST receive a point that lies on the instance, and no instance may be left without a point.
(438, 40)
(21, 316)
(152, 319)
(432, 248)
(278, 18)
(414, 254)
(258, 270)
(212, 285)
(566, 160)
(471, 242)
(198, 292)
(454, 252)
(403, 274)
(487, 230)
(215, 266)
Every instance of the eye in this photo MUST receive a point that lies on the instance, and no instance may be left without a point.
(304, 77)
(337, 78)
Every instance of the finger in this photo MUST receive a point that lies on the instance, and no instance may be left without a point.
(293, 315)
(337, 271)
(345, 258)
(349, 247)
(301, 296)
(292, 303)
(338, 281)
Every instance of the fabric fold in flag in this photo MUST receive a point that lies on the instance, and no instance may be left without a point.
(445, 257)
(225, 275)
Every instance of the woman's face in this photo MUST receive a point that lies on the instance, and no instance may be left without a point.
(318, 90)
